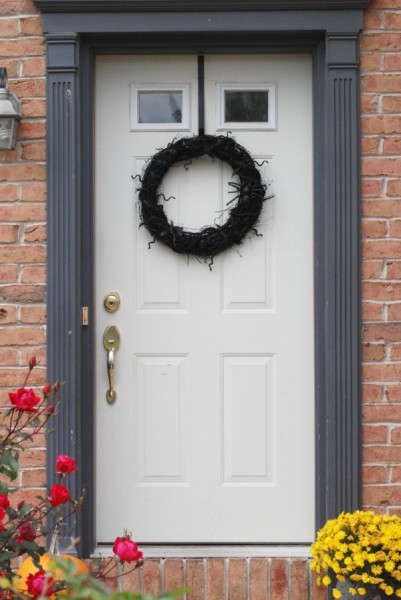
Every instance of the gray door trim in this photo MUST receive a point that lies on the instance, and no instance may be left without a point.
(71, 44)
(83, 6)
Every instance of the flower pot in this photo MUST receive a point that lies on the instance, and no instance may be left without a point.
(373, 592)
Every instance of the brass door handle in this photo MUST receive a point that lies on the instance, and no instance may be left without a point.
(111, 343)
(111, 392)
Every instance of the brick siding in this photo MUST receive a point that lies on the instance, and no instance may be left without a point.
(227, 579)
(22, 291)
(22, 222)
(381, 255)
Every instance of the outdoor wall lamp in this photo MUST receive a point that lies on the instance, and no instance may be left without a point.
(10, 114)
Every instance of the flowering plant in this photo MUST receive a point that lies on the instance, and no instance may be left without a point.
(23, 525)
(362, 549)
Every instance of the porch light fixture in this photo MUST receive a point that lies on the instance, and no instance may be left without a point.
(10, 114)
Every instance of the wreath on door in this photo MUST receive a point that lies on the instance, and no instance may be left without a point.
(243, 211)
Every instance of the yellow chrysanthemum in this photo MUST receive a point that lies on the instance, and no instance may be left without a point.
(377, 570)
(363, 548)
(326, 580)
(389, 565)
(337, 594)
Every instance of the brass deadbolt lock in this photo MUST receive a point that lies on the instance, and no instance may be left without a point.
(111, 302)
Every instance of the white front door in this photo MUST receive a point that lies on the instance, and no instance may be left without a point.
(211, 438)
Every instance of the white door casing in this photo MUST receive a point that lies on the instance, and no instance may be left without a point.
(211, 438)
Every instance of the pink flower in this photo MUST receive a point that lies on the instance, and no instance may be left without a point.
(24, 399)
(4, 502)
(126, 549)
(40, 585)
(65, 464)
(59, 494)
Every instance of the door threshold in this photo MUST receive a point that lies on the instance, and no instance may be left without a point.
(213, 551)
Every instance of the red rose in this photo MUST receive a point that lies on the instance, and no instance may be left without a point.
(40, 585)
(24, 399)
(26, 533)
(2, 514)
(126, 549)
(47, 389)
(50, 409)
(59, 494)
(32, 362)
(65, 464)
(4, 502)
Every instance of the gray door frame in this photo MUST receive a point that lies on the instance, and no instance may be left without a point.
(77, 30)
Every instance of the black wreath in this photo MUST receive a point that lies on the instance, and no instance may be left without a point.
(244, 210)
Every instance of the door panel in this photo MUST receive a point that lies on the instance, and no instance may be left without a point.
(212, 433)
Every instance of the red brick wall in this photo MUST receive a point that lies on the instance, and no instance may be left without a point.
(22, 219)
(22, 290)
(381, 255)
(228, 579)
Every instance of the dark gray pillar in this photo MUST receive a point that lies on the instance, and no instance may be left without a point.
(343, 476)
(63, 302)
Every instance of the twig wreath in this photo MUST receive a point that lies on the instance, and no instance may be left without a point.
(244, 210)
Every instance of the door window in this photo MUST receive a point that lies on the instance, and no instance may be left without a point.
(246, 106)
(159, 107)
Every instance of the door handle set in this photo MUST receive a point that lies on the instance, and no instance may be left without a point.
(111, 343)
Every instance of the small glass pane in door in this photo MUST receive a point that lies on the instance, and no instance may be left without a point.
(246, 106)
(160, 107)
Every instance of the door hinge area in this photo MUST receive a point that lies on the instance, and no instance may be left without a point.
(85, 316)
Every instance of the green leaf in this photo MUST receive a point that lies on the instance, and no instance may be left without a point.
(10, 459)
(24, 510)
(12, 475)
(5, 459)
(30, 546)
(7, 555)
(3, 488)
(14, 462)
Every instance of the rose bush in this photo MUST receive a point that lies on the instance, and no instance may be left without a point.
(23, 527)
